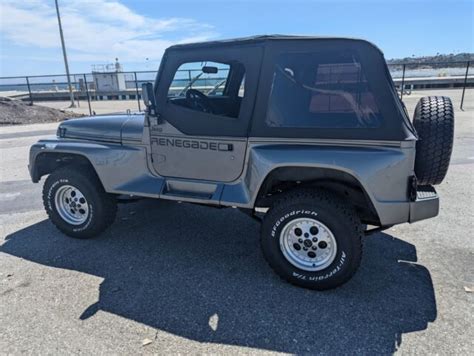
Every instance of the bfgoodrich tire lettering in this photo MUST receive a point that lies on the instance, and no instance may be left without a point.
(101, 207)
(331, 211)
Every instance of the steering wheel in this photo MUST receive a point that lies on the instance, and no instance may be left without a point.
(198, 100)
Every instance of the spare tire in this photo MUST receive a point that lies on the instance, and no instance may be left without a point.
(434, 123)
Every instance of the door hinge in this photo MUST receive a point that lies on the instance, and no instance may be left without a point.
(154, 119)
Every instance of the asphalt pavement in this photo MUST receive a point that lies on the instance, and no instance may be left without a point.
(169, 277)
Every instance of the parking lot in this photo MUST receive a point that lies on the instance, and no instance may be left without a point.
(169, 277)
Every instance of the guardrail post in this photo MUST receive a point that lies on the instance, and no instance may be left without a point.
(465, 83)
(87, 93)
(29, 90)
(403, 82)
(136, 88)
(77, 97)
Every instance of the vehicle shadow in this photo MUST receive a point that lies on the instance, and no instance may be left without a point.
(200, 274)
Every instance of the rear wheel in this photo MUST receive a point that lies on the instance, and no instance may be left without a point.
(312, 238)
(76, 202)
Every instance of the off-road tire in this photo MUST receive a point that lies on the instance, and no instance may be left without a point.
(334, 212)
(102, 206)
(434, 122)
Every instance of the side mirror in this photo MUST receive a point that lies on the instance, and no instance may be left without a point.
(148, 97)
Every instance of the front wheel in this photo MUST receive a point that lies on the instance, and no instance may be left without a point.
(77, 204)
(313, 239)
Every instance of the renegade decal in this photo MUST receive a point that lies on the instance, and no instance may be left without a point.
(193, 144)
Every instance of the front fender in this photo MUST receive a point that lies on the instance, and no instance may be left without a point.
(114, 164)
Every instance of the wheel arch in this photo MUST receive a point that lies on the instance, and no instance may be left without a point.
(342, 183)
(47, 162)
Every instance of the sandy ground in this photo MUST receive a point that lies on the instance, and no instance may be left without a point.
(192, 279)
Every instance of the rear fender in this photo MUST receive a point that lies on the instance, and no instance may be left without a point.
(381, 169)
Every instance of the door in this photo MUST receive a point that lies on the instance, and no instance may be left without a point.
(205, 101)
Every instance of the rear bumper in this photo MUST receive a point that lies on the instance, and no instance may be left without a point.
(426, 204)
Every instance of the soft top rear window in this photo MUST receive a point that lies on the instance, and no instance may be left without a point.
(326, 89)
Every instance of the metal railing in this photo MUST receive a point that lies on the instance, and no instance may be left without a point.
(35, 88)
(446, 70)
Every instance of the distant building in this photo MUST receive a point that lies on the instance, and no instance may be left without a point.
(109, 77)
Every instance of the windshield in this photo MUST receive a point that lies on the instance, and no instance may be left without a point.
(207, 77)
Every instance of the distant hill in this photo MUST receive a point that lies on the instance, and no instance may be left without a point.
(431, 61)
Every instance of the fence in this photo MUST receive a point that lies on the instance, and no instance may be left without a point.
(443, 75)
(407, 77)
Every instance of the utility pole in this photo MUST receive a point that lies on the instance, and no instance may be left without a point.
(71, 95)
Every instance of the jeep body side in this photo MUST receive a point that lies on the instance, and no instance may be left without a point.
(290, 115)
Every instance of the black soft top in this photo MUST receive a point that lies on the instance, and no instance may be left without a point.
(259, 55)
(261, 39)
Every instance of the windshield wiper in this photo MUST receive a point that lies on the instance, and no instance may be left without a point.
(185, 89)
(215, 87)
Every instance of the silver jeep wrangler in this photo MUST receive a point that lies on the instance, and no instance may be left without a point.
(306, 135)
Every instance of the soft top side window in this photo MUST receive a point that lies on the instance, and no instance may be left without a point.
(209, 87)
(321, 90)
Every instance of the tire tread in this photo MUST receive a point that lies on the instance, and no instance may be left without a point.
(434, 123)
(307, 195)
(109, 202)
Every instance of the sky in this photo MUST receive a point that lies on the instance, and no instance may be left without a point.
(138, 31)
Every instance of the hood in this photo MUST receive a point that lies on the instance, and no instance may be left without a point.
(108, 128)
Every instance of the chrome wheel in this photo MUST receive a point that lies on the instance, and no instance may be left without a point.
(308, 244)
(71, 205)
